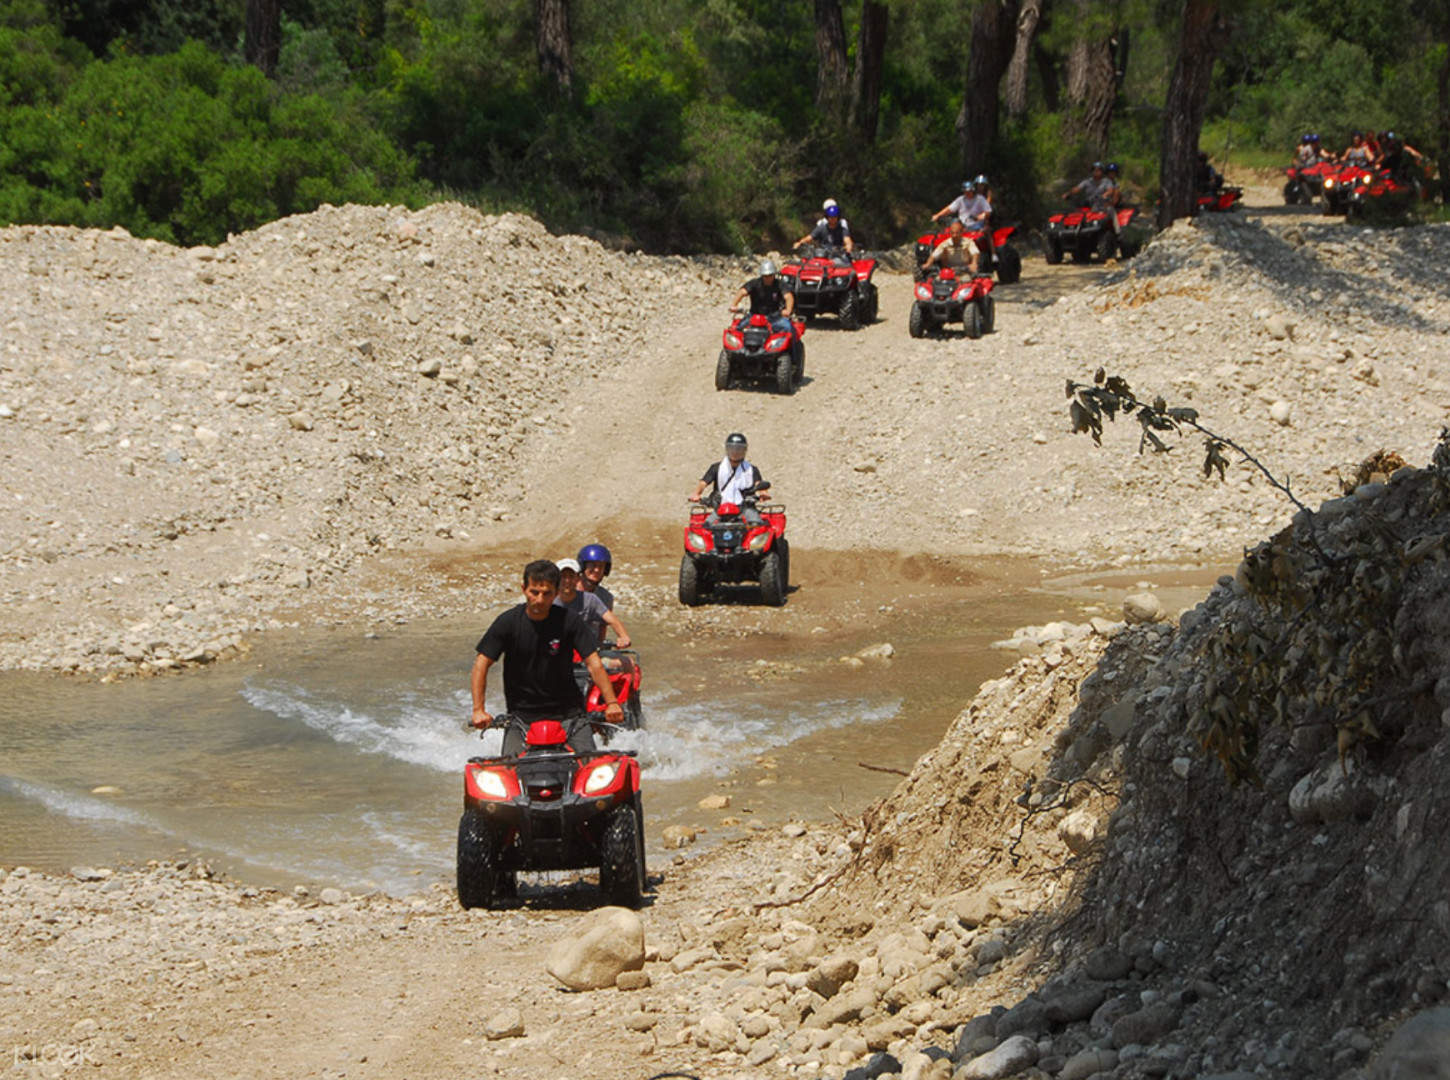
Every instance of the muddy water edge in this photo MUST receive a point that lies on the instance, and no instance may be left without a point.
(334, 756)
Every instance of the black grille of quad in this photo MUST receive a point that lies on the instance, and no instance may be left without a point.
(755, 337)
(728, 536)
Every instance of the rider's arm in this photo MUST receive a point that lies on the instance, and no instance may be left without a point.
(478, 683)
(705, 481)
(611, 622)
(789, 303)
(613, 712)
(741, 295)
(943, 212)
(972, 258)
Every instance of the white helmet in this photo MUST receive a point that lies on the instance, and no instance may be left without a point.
(767, 267)
(828, 204)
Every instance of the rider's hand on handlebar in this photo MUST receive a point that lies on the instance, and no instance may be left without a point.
(622, 642)
(692, 498)
(482, 719)
(614, 713)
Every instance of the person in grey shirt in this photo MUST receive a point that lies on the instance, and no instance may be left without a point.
(587, 605)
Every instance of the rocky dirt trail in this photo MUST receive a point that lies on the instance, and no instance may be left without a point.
(347, 416)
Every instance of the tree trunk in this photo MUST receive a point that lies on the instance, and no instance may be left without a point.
(1092, 81)
(870, 57)
(994, 28)
(555, 41)
(1442, 150)
(263, 40)
(1047, 74)
(1183, 110)
(831, 74)
(1015, 94)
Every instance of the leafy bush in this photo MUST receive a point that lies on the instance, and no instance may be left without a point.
(186, 148)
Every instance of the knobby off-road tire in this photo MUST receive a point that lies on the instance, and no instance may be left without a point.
(689, 582)
(785, 374)
(633, 714)
(850, 311)
(918, 324)
(722, 371)
(989, 313)
(1291, 193)
(783, 546)
(772, 579)
(873, 304)
(972, 320)
(478, 852)
(800, 362)
(621, 866)
(1054, 251)
(1009, 265)
(1107, 244)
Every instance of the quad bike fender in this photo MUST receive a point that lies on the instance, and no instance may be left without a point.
(698, 540)
(864, 268)
(775, 521)
(1002, 235)
(1126, 215)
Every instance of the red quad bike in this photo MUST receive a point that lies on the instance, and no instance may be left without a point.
(1383, 195)
(827, 280)
(1082, 232)
(622, 667)
(754, 351)
(1305, 183)
(731, 551)
(1000, 256)
(1339, 183)
(550, 808)
(1216, 202)
(949, 297)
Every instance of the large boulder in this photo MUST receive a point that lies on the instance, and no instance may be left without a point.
(1418, 1050)
(591, 956)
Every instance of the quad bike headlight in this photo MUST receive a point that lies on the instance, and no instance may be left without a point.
(695, 542)
(777, 343)
(923, 291)
(491, 784)
(600, 777)
(757, 543)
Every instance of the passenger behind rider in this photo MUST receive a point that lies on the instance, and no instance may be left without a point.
(956, 251)
(832, 231)
(970, 207)
(1307, 152)
(767, 297)
(589, 606)
(536, 640)
(731, 477)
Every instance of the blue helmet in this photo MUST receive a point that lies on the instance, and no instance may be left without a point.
(596, 553)
(833, 211)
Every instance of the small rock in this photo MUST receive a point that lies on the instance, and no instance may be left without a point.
(1087, 1062)
(430, 367)
(1145, 1026)
(1107, 964)
(1279, 326)
(1142, 607)
(1281, 413)
(632, 980)
(592, 955)
(793, 829)
(641, 1021)
(206, 436)
(507, 1023)
(883, 651)
(1079, 830)
(677, 836)
(332, 896)
(88, 873)
(1015, 1054)
(301, 421)
(714, 802)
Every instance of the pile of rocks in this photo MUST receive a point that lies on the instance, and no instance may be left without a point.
(197, 438)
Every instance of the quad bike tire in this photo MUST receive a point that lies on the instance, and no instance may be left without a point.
(633, 715)
(918, 324)
(690, 590)
(772, 579)
(1054, 251)
(722, 371)
(1107, 244)
(873, 303)
(850, 310)
(785, 374)
(989, 313)
(1009, 265)
(783, 546)
(800, 362)
(479, 878)
(1291, 193)
(621, 865)
(972, 320)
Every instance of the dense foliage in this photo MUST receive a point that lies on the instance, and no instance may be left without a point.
(687, 123)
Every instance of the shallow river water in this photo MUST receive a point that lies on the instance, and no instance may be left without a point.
(332, 758)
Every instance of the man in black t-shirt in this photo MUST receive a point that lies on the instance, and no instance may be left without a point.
(537, 642)
(768, 298)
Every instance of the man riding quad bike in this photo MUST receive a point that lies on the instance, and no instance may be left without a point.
(731, 537)
(950, 289)
(550, 800)
(827, 278)
(764, 345)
